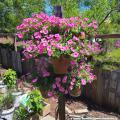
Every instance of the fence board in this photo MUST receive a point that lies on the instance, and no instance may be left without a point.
(16, 60)
(4, 57)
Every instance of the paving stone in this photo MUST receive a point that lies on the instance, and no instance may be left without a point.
(48, 117)
(81, 111)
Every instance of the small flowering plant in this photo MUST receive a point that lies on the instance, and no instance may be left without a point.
(55, 37)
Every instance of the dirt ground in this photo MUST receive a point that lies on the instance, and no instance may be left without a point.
(94, 111)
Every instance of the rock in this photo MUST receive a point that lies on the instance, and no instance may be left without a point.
(67, 110)
(81, 111)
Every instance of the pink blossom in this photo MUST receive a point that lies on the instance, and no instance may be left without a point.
(73, 62)
(46, 74)
(48, 48)
(34, 80)
(58, 79)
(50, 94)
(75, 54)
(37, 35)
(59, 45)
(73, 79)
(20, 35)
(61, 89)
(66, 92)
(72, 83)
(29, 49)
(70, 42)
(49, 52)
(75, 38)
(71, 88)
(45, 44)
(86, 19)
(54, 86)
(83, 82)
(64, 80)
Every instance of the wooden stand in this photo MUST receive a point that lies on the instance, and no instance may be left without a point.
(61, 107)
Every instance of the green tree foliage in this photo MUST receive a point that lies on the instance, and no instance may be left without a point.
(13, 11)
(69, 7)
(106, 12)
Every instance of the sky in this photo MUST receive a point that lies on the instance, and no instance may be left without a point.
(49, 8)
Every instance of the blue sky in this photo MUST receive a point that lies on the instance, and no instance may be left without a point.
(49, 8)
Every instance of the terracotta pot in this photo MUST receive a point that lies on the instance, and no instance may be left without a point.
(82, 35)
(61, 65)
(75, 92)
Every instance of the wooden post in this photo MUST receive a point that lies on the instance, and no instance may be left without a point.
(61, 107)
(61, 99)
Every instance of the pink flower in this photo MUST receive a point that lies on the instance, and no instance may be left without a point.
(58, 79)
(72, 83)
(34, 80)
(75, 54)
(29, 49)
(58, 37)
(70, 42)
(50, 94)
(83, 82)
(73, 79)
(46, 74)
(73, 62)
(58, 84)
(61, 89)
(86, 19)
(64, 80)
(50, 52)
(37, 35)
(53, 86)
(90, 81)
(45, 44)
(20, 35)
(48, 48)
(75, 38)
(71, 88)
(59, 45)
(66, 92)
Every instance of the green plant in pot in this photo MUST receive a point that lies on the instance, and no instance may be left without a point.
(32, 106)
(7, 106)
(35, 103)
(21, 113)
(10, 79)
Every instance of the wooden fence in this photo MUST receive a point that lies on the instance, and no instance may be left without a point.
(12, 59)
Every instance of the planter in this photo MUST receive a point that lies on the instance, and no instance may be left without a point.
(3, 88)
(75, 92)
(61, 65)
(46, 111)
(7, 114)
(17, 95)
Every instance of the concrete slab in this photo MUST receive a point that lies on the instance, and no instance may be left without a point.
(48, 117)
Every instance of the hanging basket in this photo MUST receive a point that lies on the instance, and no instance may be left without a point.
(75, 92)
(61, 65)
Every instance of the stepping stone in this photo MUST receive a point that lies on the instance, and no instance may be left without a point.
(48, 117)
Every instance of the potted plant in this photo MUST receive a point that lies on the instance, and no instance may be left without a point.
(33, 105)
(7, 106)
(3, 88)
(10, 79)
(65, 41)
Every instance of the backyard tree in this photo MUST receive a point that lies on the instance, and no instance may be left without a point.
(106, 12)
(13, 11)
